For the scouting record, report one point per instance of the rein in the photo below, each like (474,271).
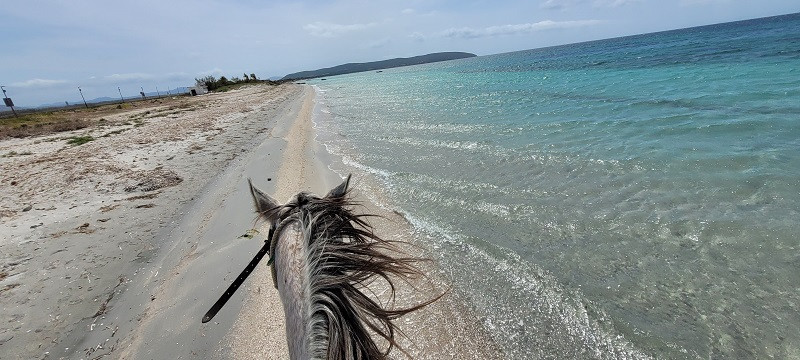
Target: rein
(242,276)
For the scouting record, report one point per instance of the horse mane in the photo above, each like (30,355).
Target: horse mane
(344,256)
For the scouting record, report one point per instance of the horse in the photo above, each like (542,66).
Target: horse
(323,256)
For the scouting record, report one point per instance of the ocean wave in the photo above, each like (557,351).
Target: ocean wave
(435,143)
(368,169)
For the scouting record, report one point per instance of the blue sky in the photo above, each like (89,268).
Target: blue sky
(49,48)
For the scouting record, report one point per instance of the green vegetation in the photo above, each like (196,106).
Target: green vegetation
(249,234)
(33,122)
(230,87)
(79,140)
(30,119)
(40,123)
(224,84)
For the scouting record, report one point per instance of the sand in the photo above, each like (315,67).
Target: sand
(116,248)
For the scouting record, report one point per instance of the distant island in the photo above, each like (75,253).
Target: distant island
(378,65)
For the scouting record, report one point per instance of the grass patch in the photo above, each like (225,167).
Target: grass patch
(51,121)
(79,140)
(39,123)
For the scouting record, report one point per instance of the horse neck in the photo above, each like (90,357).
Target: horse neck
(292,283)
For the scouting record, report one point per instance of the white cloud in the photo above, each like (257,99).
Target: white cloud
(38,83)
(614,3)
(559,4)
(564,4)
(128,77)
(323,29)
(407,11)
(513,29)
(702,2)
(214,71)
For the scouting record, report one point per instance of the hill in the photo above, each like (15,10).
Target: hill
(378,65)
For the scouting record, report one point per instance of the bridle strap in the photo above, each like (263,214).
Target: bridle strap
(240,279)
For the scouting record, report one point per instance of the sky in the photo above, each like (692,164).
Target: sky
(50,48)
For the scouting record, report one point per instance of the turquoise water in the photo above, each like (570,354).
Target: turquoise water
(626,197)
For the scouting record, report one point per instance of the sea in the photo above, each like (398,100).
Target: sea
(625,198)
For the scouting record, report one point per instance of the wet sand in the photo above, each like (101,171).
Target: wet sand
(130,238)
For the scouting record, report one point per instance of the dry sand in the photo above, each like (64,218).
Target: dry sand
(112,223)
(117,247)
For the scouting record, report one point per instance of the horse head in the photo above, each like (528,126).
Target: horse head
(322,257)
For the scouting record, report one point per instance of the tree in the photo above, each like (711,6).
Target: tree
(246,78)
(253,77)
(210,79)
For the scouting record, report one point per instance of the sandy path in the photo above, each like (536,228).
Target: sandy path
(259,332)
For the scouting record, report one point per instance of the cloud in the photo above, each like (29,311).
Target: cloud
(407,11)
(38,83)
(702,2)
(563,4)
(559,4)
(513,29)
(128,77)
(214,71)
(323,29)
(614,3)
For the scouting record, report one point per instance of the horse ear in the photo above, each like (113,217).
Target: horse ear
(340,190)
(263,202)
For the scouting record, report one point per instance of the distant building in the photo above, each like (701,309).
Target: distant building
(198,89)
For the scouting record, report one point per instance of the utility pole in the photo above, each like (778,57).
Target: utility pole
(84,99)
(8,101)
(120,95)
(142,93)
(157,93)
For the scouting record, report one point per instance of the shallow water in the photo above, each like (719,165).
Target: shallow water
(629,196)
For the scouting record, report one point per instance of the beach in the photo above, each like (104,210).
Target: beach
(117,247)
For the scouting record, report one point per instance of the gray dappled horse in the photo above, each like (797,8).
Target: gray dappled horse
(323,256)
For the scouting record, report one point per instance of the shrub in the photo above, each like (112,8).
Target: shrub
(79,140)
